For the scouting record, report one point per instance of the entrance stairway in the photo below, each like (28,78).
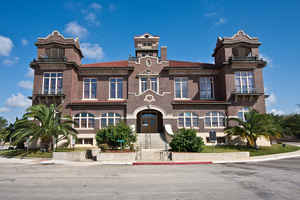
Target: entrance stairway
(152,147)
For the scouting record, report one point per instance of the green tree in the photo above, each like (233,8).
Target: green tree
(112,135)
(255,125)
(45,123)
(186,140)
(291,125)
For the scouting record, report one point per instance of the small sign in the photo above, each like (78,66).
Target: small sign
(121,141)
(212,136)
(73,141)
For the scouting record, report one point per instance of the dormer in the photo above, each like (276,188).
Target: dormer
(239,47)
(56,48)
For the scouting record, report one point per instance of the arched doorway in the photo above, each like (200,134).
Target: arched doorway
(149,121)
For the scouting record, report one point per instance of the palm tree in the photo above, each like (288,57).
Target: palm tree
(45,123)
(255,125)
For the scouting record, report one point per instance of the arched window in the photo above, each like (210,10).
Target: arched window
(242,112)
(214,120)
(110,119)
(188,120)
(84,120)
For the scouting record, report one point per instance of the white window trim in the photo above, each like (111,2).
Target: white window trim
(243,110)
(211,116)
(192,120)
(107,117)
(181,91)
(56,80)
(110,98)
(87,122)
(149,86)
(90,91)
(212,78)
(240,77)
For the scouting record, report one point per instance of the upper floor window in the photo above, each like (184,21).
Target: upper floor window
(90,88)
(52,83)
(110,119)
(55,52)
(242,112)
(116,88)
(181,88)
(244,81)
(214,120)
(206,87)
(84,120)
(188,120)
(145,86)
(241,52)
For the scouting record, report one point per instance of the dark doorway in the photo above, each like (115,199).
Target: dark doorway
(149,121)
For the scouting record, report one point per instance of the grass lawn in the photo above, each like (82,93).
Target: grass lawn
(19,153)
(275,148)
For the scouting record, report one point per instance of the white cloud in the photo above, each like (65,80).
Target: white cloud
(24,42)
(30,73)
(271,100)
(4,109)
(92,51)
(277,112)
(210,14)
(11,61)
(92,19)
(221,21)
(96,6)
(6,46)
(73,28)
(18,100)
(26,85)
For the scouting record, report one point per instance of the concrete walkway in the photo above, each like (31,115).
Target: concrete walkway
(89,163)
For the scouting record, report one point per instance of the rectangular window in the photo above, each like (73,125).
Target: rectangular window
(90,88)
(244,82)
(206,87)
(153,84)
(143,84)
(181,88)
(116,88)
(52,83)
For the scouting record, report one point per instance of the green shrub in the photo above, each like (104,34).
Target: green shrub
(112,134)
(186,140)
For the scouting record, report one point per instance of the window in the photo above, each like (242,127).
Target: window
(206,87)
(84,141)
(55,52)
(84,120)
(244,82)
(181,88)
(152,86)
(90,88)
(116,86)
(188,120)
(53,83)
(242,112)
(214,120)
(110,119)
(143,84)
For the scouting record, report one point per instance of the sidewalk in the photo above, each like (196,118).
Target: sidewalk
(294,154)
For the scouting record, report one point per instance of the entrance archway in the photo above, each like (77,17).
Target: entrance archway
(149,121)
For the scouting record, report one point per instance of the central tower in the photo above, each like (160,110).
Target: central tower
(146,45)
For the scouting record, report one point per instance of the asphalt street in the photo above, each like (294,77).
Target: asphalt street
(264,180)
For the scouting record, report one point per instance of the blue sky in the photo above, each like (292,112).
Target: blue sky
(189,29)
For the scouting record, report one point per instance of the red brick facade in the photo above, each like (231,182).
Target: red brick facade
(235,54)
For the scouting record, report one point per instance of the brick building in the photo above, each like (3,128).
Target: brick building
(153,94)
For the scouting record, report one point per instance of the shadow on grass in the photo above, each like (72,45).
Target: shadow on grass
(20,153)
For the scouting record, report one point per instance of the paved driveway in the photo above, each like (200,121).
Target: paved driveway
(265,180)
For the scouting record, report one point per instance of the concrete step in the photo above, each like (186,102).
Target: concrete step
(151,141)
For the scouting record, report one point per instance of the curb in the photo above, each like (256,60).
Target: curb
(173,163)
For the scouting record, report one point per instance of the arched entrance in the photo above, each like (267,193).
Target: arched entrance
(149,121)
